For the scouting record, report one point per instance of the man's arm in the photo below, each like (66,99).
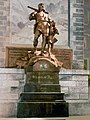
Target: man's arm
(32,16)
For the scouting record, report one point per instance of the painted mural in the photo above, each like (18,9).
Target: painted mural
(22,28)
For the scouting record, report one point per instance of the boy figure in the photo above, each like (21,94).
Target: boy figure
(51,37)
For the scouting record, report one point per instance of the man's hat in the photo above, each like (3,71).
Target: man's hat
(40,4)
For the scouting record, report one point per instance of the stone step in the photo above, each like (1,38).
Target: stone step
(42,109)
(41,96)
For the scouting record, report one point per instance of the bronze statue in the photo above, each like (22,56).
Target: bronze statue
(47,28)
(41,26)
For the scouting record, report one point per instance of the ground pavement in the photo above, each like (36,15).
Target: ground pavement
(69,118)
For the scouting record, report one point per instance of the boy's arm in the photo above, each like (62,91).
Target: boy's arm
(56,31)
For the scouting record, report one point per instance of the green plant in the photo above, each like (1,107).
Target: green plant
(88,80)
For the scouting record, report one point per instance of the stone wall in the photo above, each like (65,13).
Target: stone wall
(87,33)
(74,83)
(77,32)
(4,29)
(10,86)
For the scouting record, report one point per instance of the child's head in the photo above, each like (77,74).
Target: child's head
(52,23)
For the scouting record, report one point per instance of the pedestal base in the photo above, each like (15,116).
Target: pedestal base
(42,109)
(42,96)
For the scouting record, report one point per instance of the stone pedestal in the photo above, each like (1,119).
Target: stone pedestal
(42,96)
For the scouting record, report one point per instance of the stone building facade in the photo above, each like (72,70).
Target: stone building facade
(87,34)
(77,32)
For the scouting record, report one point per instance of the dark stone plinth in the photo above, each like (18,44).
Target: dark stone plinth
(34,87)
(42,109)
(42,96)
(42,81)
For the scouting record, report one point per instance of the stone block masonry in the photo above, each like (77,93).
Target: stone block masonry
(10,86)
(4,29)
(74,83)
(77,32)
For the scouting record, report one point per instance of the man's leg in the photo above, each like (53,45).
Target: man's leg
(36,36)
(43,43)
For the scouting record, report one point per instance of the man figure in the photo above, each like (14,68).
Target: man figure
(41,26)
